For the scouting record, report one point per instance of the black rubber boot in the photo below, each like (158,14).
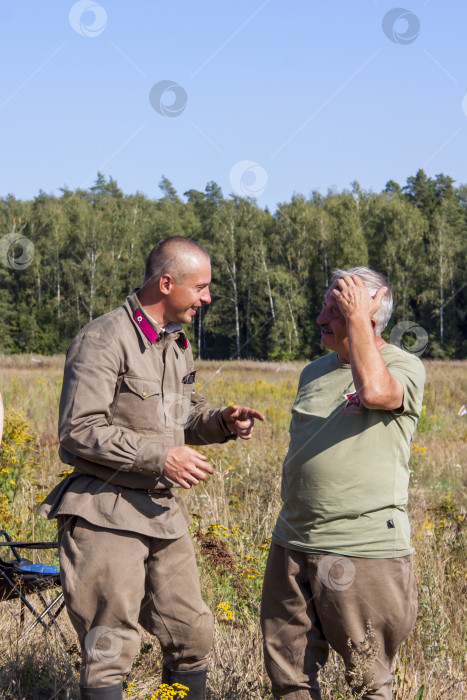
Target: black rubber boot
(108,692)
(194,680)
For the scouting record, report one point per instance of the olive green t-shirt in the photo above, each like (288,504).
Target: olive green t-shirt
(345,477)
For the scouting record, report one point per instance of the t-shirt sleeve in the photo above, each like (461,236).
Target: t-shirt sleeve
(301,379)
(409,370)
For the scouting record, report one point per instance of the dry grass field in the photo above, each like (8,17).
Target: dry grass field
(233,516)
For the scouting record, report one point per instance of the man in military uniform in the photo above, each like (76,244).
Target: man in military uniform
(128,406)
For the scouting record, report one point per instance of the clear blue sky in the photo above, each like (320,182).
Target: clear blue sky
(313,92)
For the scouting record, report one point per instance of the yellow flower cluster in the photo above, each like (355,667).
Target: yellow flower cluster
(428,525)
(170,692)
(218,530)
(443,516)
(448,501)
(224,612)
(5,513)
(277,415)
(418,450)
(16,429)
(18,462)
(222,530)
(249,572)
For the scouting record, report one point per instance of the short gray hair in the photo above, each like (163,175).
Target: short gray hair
(373,281)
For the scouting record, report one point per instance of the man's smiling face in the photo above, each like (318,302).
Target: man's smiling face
(333,327)
(187,296)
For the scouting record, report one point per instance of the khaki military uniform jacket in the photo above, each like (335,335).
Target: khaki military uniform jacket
(128,395)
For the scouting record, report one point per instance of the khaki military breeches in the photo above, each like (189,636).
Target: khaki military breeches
(112,580)
(313,601)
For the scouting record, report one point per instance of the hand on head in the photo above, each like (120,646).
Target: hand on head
(353,298)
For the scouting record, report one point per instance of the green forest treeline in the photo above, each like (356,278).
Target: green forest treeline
(270,270)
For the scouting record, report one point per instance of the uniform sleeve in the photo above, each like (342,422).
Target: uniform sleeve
(409,370)
(205,424)
(85,429)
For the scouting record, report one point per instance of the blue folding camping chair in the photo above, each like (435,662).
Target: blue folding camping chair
(20,578)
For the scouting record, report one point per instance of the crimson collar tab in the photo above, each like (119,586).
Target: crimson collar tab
(145,326)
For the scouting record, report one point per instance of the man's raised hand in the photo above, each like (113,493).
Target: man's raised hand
(352,297)
(186,467)
(240,420)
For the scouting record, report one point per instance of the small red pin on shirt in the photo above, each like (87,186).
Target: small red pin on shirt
(353,400)
(150,333)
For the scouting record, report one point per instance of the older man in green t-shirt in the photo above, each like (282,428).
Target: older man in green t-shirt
(339,571)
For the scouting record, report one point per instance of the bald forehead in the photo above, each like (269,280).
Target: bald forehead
(176,256)
(187,261)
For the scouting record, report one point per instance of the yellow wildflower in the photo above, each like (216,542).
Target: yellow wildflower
(65,472)
(170,692)
(224,612)
(427,525)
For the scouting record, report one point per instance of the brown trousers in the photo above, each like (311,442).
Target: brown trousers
(311,601)
(112,580)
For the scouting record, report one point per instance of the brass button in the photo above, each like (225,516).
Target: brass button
(144,394)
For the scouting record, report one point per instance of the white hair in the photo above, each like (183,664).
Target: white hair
(373,281)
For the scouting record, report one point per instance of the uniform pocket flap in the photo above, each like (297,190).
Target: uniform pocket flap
(143,387)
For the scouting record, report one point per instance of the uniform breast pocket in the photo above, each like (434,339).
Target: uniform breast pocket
(176,407)
(138,404)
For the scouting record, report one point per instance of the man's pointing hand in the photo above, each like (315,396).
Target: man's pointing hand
(240,420)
